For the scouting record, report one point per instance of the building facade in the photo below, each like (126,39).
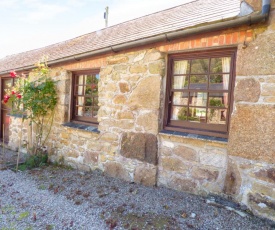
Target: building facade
(193,110)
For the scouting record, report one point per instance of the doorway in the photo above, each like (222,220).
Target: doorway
(5,118)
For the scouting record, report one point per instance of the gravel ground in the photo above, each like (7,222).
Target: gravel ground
(59,198)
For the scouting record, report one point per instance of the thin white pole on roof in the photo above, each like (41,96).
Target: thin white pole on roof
(106,14)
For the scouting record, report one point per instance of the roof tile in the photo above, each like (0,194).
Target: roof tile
(173,19)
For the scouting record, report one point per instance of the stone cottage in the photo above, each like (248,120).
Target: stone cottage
(182,98)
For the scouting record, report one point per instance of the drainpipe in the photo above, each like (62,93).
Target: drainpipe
(235,22)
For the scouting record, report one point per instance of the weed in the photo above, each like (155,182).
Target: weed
(23,215)
(42,187)
(34,161)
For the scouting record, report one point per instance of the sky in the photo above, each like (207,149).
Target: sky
(31,24)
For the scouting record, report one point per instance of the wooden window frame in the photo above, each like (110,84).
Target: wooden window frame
(216,130)
(75,118)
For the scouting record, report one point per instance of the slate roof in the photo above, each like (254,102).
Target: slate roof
(173,19)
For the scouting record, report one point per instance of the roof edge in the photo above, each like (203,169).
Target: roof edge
(170,36)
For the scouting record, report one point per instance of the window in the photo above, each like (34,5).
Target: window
(199,92)
(85,96)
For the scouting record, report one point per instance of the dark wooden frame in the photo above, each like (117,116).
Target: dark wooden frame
(217,130)
(74,117)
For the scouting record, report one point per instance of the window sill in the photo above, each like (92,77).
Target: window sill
(88,128)
(194,136)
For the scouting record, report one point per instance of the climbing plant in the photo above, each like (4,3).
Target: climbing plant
(34,98)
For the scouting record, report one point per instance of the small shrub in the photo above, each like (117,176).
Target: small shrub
(34,161)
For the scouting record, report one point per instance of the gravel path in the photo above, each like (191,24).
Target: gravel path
(59,198)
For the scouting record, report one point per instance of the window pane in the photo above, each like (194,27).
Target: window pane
(180,98)
(197,114)
(79,90)
(216,116)
(200,66)
(219,82)
(220,65)
(198,99)
(79,111)
(80,80)
(88,112)
(180,82)
(198,82)
(89,79)
(218,99)
(96,79)
(181,67)
(79,100)
(216,65)
(88,90)
(88,101)
(179,113)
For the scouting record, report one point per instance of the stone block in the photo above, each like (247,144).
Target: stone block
(168,144)
(269,99)
(124,87)
(147,94)
(119,99)
(262,205)
(87,135)
(252,131)
(125,115)
(268,89)
(184,140)
(233,179)
(202,174)
(110,137)
(186,153)
(116,76)
(182,184)
(105,157)
(213,157)
(72,153)
(140,146)
(267,175)
(145,175)
(164,151)
(94,145)
(270,79)
(156,68)
(137,68)
(247,90)
(153,55)
(174,164)
(265,190)
(105,71)
(139,56)
(115,169)
(121,68)
(112,87)
(117,59)
(149,122)
(90,157)
(131,78)
(122,124)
